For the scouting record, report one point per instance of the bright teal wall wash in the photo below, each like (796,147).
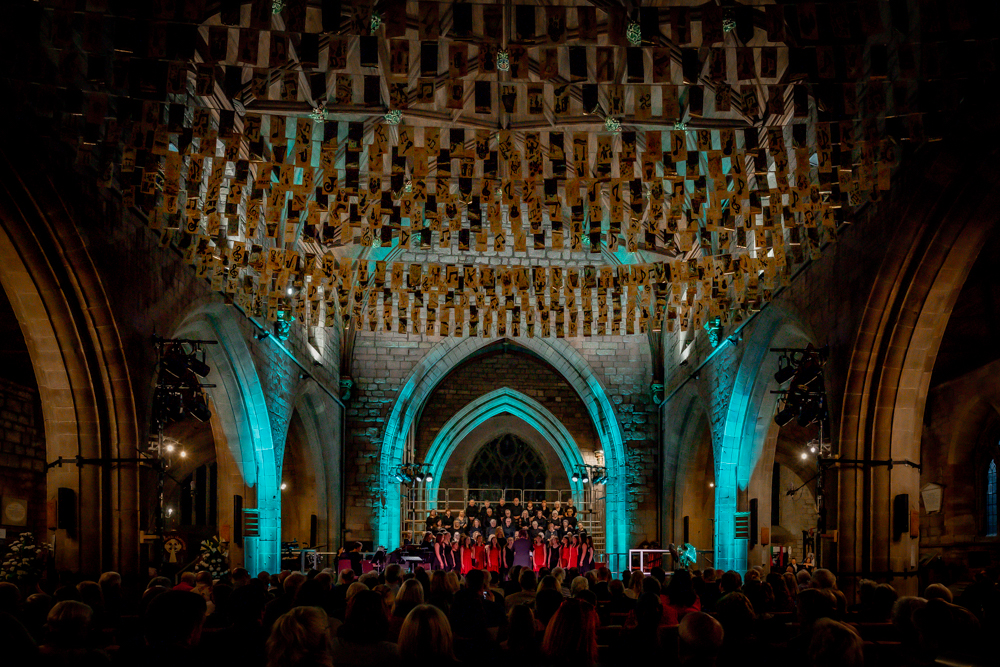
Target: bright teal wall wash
(504,401)
(437,363)
(748,418)
(238,403)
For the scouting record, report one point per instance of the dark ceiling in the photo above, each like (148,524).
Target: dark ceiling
(15,364)
(970,340)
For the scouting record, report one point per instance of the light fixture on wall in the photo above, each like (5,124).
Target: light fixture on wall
(408,473)
(284,485)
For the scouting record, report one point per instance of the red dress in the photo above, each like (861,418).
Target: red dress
(539,557)
(466,560)
(494,564)
(479,558)
(571,554)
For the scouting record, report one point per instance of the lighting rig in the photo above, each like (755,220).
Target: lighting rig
(586,473)
(409,473)
(805,398)
(179,393)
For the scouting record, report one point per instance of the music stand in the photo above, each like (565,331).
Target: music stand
(412,560)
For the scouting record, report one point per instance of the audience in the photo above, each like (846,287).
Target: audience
(549,619)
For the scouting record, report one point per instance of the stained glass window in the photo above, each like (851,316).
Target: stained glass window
(507,463)
(991,499)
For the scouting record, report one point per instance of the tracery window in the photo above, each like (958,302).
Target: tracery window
(507,463)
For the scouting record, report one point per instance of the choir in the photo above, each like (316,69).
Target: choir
(496,537)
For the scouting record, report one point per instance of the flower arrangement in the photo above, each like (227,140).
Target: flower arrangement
(214,557)
(25,560)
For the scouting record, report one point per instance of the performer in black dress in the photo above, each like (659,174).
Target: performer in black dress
(552,553)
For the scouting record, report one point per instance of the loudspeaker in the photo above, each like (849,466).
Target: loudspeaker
(313,529)
(66,511)
(238,520)
(900,515)
(687,526)
(753,521)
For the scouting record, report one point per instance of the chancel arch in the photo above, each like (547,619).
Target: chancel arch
(450,353)
(505,401)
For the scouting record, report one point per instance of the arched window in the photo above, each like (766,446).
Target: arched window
(991,499)
(507,463)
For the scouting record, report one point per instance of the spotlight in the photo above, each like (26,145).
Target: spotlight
(176,365)
(419,478)
(711,485)
(169,448)
(810,412)
(576,477)
(812,449)
(399,478)
(199,367)
(290,291)
(785,372)
(586,478)
(804,456)
(199,409)
(170,511)
(429,478)
(785,415)
(284,486)
(183,454)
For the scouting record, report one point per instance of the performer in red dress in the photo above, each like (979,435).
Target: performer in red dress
(572,553)
(479,553)
(493,555)
(538,554)
(465,546)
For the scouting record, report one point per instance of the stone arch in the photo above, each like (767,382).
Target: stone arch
(748,421)
(448,354)
(943,223)
(322,421)
(504,401)
(238,400)
(75,348)
(685,422)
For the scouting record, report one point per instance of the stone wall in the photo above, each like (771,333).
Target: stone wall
(22,457)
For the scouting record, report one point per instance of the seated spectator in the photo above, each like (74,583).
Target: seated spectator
(186,583)
(731,582)
(361,640)
(700,639)
(527,593)
(938,592)
(411,595)
(547,602)
(300,638)
(640,644)
(522,643)
(619,603)
(425,639)
(69,642)
(835,644)
(571,636)
(173,624)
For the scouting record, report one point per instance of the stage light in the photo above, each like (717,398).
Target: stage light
(169,448)
(809,413)
(576,477)
(170,511)
(586,478)
(786,372)
(711,485)
(813,449)
(290,291)
(183,454)
(284,486)
(429,478)
(199,367)
(804,456)
(785,415)
(176,365)
(399,478)
(199,409)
